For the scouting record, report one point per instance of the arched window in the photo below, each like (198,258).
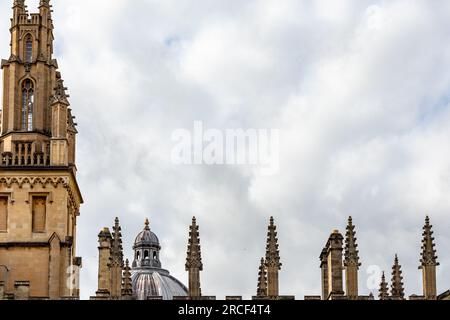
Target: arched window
(146,254)
(28,49)
(27,105)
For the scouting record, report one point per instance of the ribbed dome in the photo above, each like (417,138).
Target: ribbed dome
(146,237)
(156,283)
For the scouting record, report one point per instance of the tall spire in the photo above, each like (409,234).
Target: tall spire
(116,247)
(428,262)
(194,260)
(272,264)
(397,290)
(351,261)
(262,280)
(351,248)
(384,290)
(428,255)
(127,286)
(116,261)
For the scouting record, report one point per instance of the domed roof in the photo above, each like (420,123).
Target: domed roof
(146,237)
(156,283)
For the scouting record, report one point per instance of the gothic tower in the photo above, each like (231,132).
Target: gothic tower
(39,194)
(194,261)
(351,261)
(428,262)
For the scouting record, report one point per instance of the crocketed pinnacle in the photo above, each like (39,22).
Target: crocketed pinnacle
(262,280)
(272,252)
(384,290)
(351,247)
(194,257)
(116,245)
(397,290)
(428,254)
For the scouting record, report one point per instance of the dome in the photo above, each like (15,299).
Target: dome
(156,283)
(148,277)
(146,237)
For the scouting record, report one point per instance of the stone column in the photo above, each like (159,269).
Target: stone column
(324,273)
(104,275)
(335,268)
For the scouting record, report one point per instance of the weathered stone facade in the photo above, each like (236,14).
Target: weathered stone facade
(332,267)
(39,195)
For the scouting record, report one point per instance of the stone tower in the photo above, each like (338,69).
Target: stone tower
(104,256)
(273,265)
(39,195)
(428,262)
(332,267)
(351,261)
(397,290)
(194,261)
(110,264)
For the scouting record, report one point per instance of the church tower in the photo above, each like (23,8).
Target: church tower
(39,195)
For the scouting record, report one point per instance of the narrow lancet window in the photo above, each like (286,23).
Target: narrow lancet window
(28,49)
(27,105)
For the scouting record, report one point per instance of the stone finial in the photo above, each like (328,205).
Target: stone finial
(44,3)
(272,252)
(116,245)
(262,280)
(127,287)
(351,247)
(428,254)
(397,289)
(60,95)
(147,224)
(19,3)
(194,257)
(272,262)
(194,260)
(384,290)
(104,235)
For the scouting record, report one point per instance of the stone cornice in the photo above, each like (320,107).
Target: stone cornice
(44,181)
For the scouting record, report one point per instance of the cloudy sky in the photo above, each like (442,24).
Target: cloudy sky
(359,90)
